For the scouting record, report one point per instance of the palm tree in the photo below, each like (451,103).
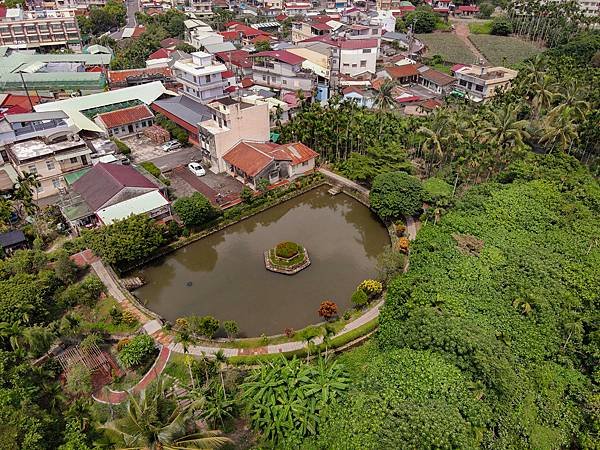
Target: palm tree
(185,338)
(12,332)
(544,93)
(571,97)
(504,129)
(25,187)
(328,333)
(560,131)
(152,422)
(385,101)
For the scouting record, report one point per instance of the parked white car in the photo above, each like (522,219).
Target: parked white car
(171,145)
(196,169)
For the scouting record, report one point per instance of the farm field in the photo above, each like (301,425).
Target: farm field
(504,50)
(449,46)
(481,27)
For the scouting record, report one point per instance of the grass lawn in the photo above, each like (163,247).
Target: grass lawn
(504,50)
(449,46)
(99,319)
(481,27)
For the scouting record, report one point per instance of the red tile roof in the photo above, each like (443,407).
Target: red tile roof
(239,58)
(437,77)
(456,67)
(125,116)
(320,26)
(227,74)
(17,104)
(161,53)
(406,70)
(170,42)
(247,82)
(260,39)
(280,55)
(351,89)
(121,76)
(412,98)
(138,31)
(230,35)
(355,44)
(281,17)
(468,8)
(431,104)
(245,30)
(252,158)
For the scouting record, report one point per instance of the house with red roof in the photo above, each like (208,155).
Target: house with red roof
(250,162)
(126,121)
(281,70)
(110,192)
(242,32)
(132,77)
(404,74)
(359,95)
(467,10)
(238,61)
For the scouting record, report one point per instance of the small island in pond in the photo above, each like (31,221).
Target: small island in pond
(287,257)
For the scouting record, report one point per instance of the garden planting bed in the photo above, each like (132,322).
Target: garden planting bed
(504,50)
(287,258)
(448,46)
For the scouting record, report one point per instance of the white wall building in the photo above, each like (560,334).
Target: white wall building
(200,77)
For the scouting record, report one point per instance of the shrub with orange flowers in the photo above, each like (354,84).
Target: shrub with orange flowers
(328,309)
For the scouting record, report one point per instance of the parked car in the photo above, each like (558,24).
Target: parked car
(171,145)
(196,169)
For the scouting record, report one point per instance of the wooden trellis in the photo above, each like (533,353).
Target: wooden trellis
(91,357)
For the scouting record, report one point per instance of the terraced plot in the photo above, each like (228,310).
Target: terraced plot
(504,50)
(449,46)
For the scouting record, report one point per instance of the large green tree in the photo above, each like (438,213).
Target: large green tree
(195,210)
(396,194)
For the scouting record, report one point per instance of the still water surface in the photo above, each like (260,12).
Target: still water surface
(228,276)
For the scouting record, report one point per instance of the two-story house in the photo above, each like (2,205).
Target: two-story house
(200,77)
(50,162)
(281,70)
(48,125)
(481,83)
(354,56)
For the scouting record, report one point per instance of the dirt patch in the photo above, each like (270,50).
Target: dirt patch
(468,244)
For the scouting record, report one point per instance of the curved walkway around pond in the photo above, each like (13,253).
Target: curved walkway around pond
(165,341)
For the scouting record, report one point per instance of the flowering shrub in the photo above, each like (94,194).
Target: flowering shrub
(402,245)
(122,343)
(286,249)
(328,309)
(129,318)
(181,323)
(371,287)
(400,229)
(289,332)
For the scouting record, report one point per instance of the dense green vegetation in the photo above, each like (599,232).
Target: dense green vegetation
(493,333)
(195,210)
(504,50)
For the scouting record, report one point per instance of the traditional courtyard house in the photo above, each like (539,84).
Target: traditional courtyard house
(404,74)
(467,10)
(251,162)
(110,192)
(126,121)
(133,77)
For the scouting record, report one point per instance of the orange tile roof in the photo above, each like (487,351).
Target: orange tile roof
(406,70)
(125,116)
(252,158)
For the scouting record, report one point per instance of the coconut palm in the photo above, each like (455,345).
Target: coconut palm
(503,128)
(25,188)
(185,338)
(560,131)
(545,91)
(385,97)
(571,100)
(154,422)
(11,333)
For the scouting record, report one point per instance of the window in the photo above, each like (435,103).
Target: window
(74,160)
(479,88)
(39,189)
(56,183)
(366,50)
(50,164)
(463,82)
(264,78)
(363,64)
(346,65)
(284,81)
(207,78)
(354,65)
(305,163)
(32,169)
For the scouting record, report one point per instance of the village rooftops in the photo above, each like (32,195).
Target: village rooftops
(489,74)
(437,77)
(281,55)
(125,116)
(37,148)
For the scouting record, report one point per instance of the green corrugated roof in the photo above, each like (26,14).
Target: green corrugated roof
(72,177)
(13,62)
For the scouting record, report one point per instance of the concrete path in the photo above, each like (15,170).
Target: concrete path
(116,397)
(345,181)
(462,31)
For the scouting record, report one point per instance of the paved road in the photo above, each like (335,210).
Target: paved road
(133,6)
(178,158)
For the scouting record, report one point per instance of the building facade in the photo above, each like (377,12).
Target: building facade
(481,83)
(354,56)
(200,77)
(281,70)
(231,122)
(125,122)
(34,29)
(50,162)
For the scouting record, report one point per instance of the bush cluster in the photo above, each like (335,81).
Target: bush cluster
(371,287)
(136,351)
(286,249)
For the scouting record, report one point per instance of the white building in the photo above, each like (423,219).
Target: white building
(200,77)
(355,56)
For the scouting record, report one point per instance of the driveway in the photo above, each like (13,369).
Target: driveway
(211,185)
(143,149)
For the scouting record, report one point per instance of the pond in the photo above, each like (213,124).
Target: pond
(224,275)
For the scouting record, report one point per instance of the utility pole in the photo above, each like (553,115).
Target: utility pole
(26,90)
